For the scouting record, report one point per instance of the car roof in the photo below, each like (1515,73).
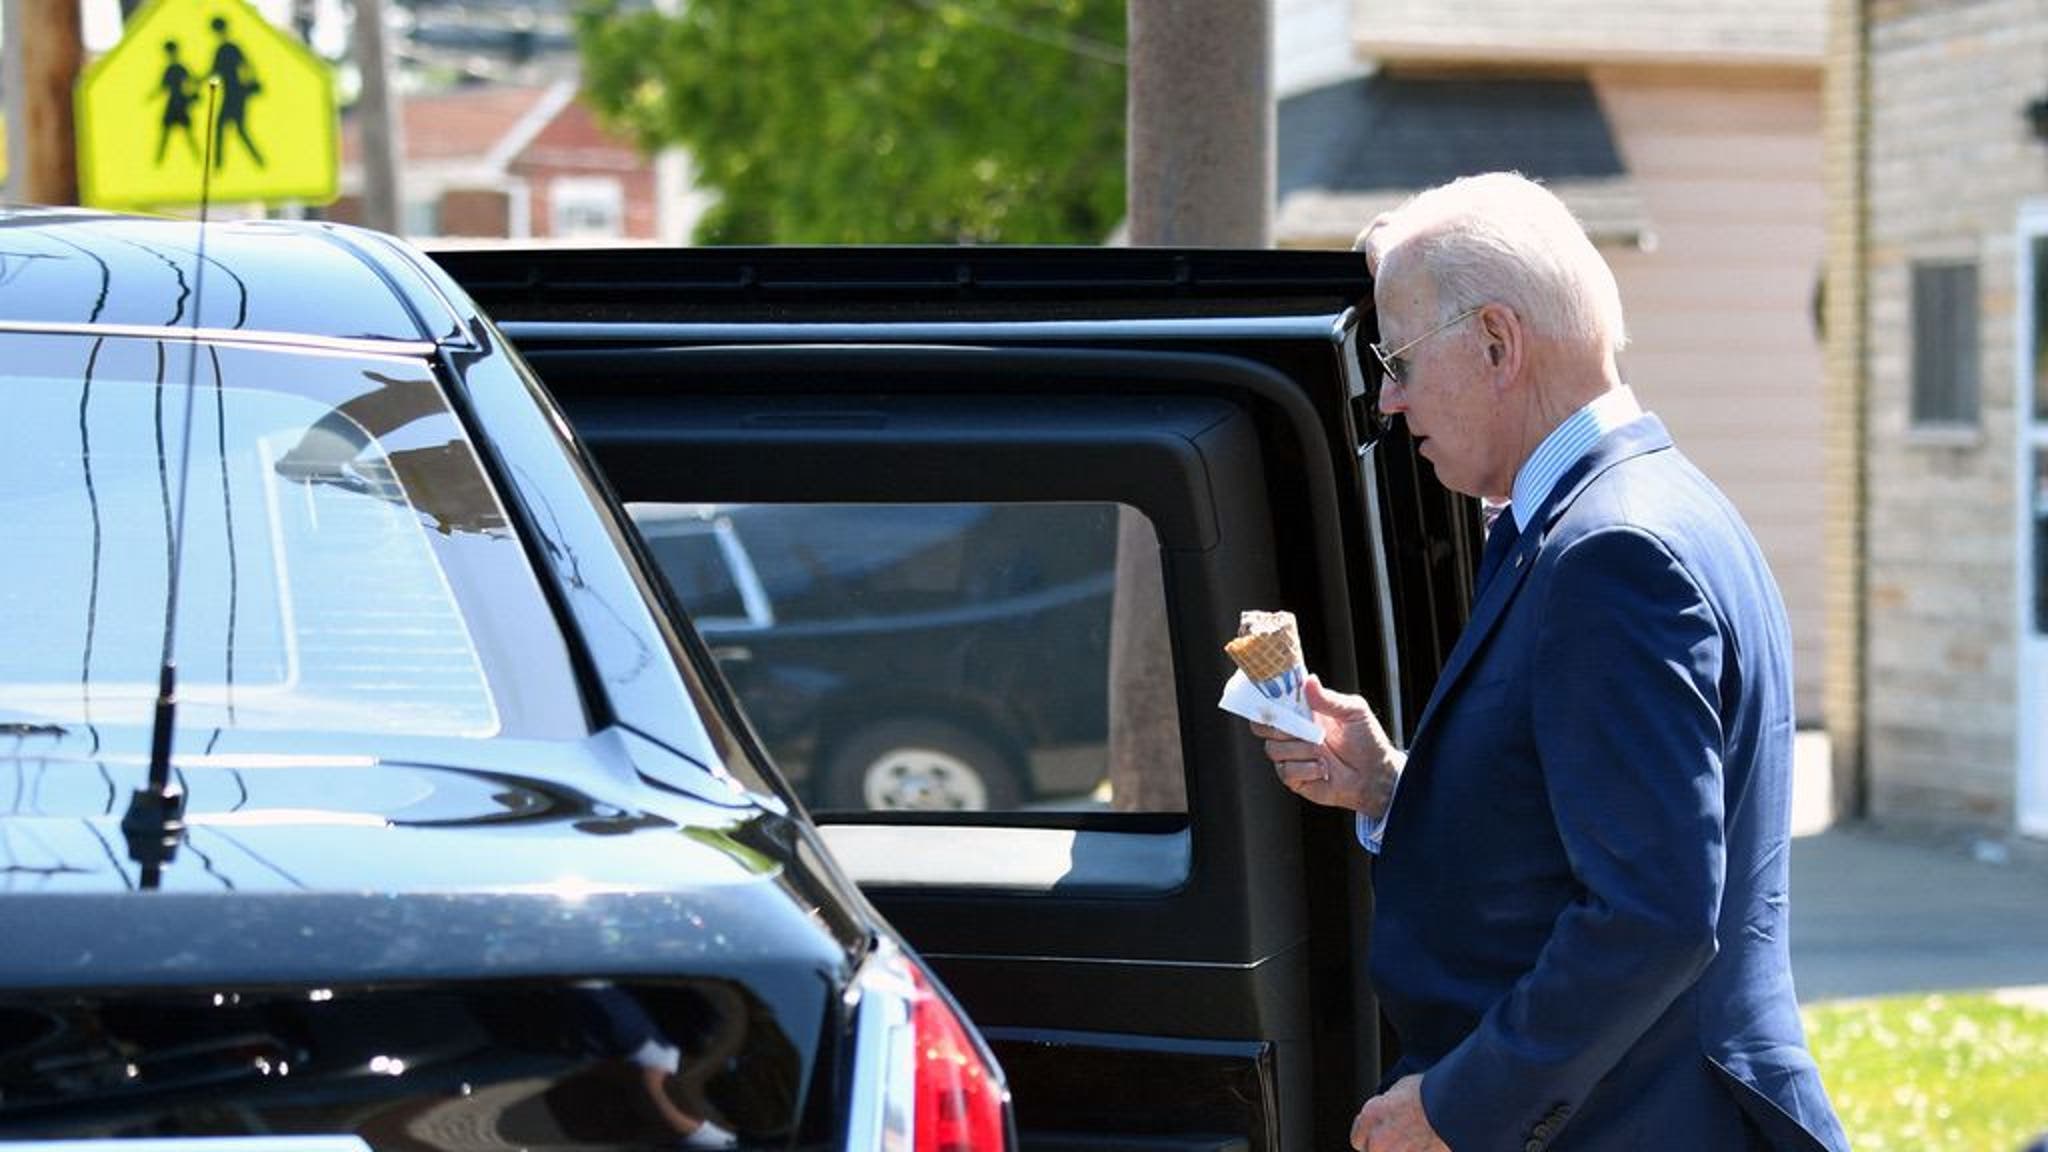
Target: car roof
(100,272)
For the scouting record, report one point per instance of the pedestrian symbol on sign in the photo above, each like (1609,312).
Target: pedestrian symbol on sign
(238,82)
(176,88)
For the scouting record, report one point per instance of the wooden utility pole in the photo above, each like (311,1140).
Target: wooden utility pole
(46,49)
(1201,171)
(377,115)
(1201,152)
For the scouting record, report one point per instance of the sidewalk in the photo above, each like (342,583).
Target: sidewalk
(1877,912)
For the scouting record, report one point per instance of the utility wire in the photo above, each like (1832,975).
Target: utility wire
(1050,37)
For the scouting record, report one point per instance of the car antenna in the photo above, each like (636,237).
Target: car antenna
(155,820)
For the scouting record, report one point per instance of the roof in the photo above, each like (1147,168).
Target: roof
(572,137)
(1496,32)
(69,268)
(464,124)
(1352,149)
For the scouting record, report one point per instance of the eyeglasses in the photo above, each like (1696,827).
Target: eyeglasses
(1390,362)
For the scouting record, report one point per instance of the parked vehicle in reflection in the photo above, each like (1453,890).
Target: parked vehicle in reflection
(908,656)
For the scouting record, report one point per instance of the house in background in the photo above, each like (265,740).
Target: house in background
(525,162)
(1939,180)
(1687,137)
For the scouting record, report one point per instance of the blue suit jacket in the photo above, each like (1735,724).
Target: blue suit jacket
(1579,925)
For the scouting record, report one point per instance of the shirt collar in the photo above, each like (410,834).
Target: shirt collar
(1566,445)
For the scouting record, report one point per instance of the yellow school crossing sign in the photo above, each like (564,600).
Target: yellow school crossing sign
(199,84)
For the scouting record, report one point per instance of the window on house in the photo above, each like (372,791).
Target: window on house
(1945,355)
(2040,350)
(2039,516)
(590,207)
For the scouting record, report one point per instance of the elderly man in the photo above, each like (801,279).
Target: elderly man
(1580,898)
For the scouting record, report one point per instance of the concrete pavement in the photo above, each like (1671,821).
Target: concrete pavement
(1881,912)
(1878,913)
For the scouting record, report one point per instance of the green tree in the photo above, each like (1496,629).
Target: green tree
(876,121)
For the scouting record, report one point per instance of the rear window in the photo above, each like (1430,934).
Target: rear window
(346,565)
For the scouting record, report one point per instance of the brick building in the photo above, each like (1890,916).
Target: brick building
(526,162)
(1939,182)
(1687,136)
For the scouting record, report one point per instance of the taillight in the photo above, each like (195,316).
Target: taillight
(959,1099)
(920,1084)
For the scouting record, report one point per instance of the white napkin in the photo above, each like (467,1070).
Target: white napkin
(1287,711)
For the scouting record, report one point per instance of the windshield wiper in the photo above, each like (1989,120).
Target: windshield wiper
(19,728)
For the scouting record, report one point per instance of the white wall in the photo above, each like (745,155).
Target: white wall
(1311,45)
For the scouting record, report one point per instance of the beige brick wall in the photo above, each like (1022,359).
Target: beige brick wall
(1577,31)
(1950,162)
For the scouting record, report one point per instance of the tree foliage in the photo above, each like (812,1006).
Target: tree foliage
(876,121)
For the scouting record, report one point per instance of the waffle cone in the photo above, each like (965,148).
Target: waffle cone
(1265,655)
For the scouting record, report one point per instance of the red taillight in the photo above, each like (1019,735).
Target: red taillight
(959,1099)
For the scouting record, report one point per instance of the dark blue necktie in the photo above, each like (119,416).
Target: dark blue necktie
(1500,540)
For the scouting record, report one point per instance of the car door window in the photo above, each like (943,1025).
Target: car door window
(925,657)
(705,566)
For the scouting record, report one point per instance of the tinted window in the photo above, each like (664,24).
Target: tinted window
(346,566)
(697,568)
(821,562)
(924,656)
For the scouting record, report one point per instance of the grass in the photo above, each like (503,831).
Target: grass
(1936,1073)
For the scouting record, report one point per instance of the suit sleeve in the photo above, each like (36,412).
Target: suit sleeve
(1627,669)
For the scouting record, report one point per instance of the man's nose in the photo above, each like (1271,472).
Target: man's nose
(1393,397)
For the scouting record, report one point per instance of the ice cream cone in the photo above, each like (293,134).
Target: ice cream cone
(1267,646)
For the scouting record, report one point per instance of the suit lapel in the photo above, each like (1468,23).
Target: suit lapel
(1644,434)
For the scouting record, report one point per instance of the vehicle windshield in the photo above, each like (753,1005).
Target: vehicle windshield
(346,565)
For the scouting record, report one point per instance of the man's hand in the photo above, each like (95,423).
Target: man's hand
(1394,1121)
(1354,767)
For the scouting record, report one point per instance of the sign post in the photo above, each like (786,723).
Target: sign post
(144,111)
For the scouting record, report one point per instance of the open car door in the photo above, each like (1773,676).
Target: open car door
(839,452)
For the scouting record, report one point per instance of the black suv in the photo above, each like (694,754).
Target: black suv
(478,850)
(908,656)
(1177,965)
(366,792)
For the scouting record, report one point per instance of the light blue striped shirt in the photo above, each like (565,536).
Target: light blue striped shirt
(1566,445)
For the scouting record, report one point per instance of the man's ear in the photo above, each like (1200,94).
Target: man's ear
(1506,341)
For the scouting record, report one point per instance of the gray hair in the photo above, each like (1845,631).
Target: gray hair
(1501,237)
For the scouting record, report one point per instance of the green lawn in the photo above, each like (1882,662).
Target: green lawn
(1942,1073)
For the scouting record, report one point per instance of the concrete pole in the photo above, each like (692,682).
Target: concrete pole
(45,50)
(383,141)
(1201,152)
(1200,164)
